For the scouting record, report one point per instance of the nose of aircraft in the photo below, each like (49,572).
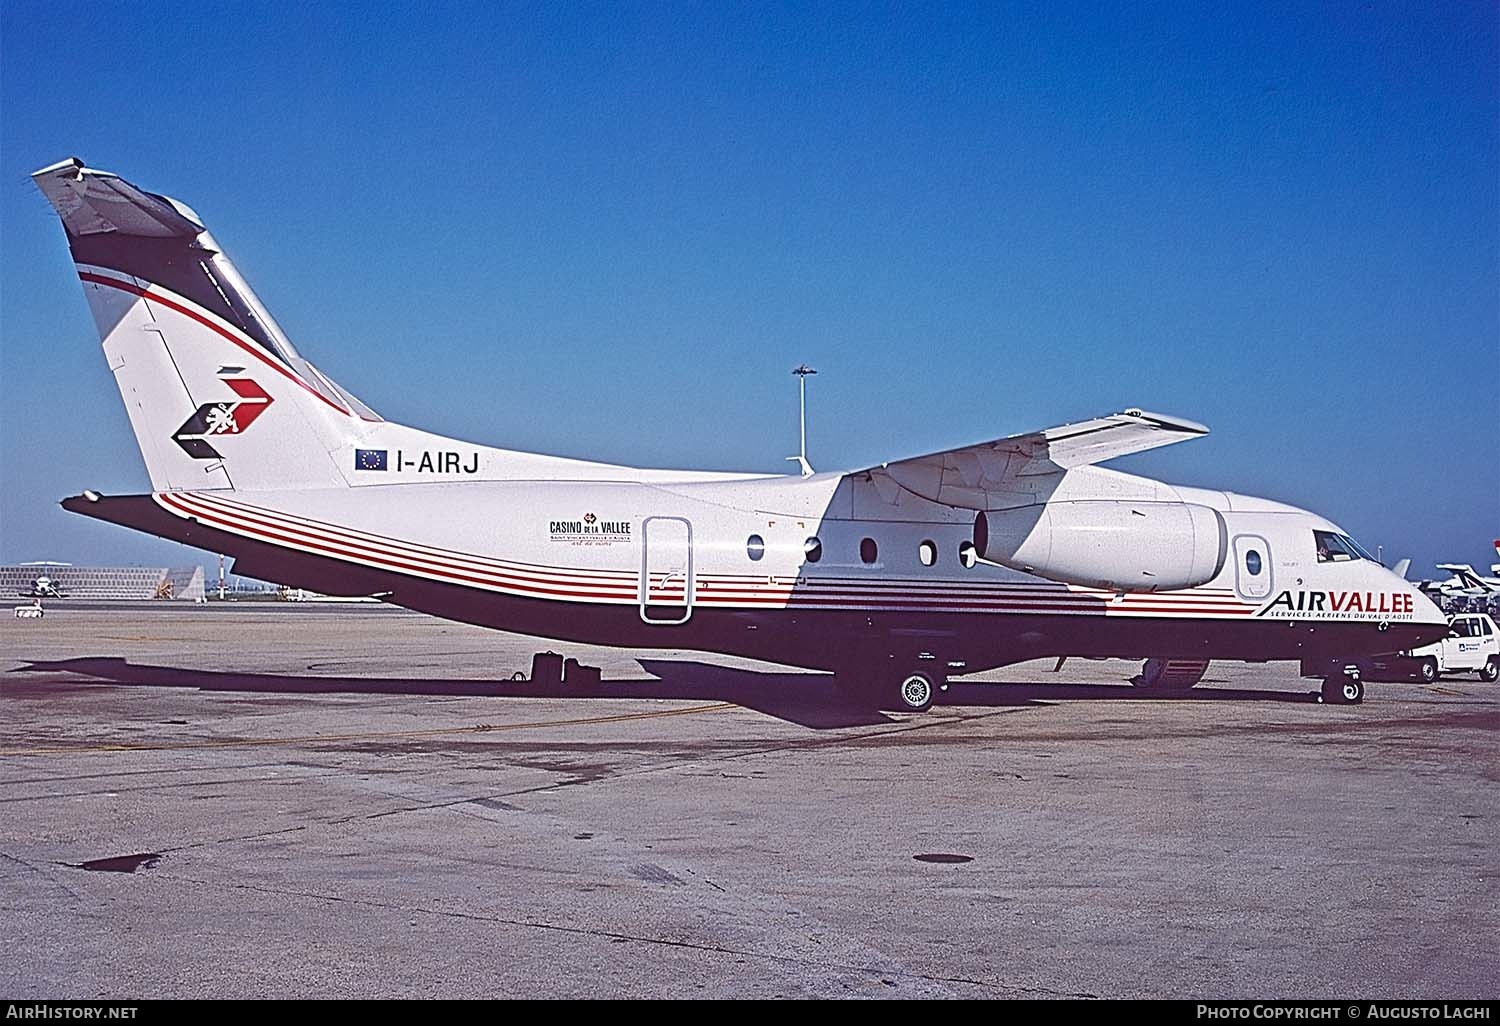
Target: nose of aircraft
(1425,613)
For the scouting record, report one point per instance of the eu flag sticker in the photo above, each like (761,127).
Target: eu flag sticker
(369,459)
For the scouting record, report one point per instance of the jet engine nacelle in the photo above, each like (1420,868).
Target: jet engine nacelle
(1103,543)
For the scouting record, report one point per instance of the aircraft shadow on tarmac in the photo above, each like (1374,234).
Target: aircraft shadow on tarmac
(809,700)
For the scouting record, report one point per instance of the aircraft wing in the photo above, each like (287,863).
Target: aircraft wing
(981,476)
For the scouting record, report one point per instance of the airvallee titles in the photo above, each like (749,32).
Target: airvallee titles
(893,576)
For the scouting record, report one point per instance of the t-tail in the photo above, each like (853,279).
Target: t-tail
(217,395)
(1467,577)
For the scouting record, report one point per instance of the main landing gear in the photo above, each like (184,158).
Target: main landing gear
(916,692)
(917,687)
(890,687)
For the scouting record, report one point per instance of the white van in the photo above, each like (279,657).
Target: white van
(1472,645)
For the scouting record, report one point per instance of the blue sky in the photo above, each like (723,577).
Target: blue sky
(610,231)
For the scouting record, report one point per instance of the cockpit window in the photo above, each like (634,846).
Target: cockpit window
(1338,548)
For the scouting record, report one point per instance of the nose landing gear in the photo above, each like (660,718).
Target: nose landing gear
(1343,688)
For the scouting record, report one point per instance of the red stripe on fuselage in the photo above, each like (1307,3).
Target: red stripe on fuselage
(264,525)
(261,530)
(804,594)
(732,587)
(353,537)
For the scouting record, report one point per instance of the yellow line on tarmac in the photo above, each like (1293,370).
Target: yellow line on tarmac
(478,728)
(141,637)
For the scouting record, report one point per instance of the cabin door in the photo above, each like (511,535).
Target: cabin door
(1252,567)
(666,583)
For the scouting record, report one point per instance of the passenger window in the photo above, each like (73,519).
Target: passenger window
(927,553)
(1485,626)
(755,547)
(812,549)
(1252,563)
(868,551)
(967,555)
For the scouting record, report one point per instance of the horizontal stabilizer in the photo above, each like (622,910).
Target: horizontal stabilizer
(92,202)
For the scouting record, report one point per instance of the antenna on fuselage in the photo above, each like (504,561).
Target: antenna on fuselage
(802,371)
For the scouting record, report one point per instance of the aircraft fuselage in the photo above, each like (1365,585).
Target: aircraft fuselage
(820,572)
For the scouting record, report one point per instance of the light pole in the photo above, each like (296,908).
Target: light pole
(802,371)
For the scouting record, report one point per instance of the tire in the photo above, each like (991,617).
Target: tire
(915,692)
(1491,670)
(1427,670)
(1343,690)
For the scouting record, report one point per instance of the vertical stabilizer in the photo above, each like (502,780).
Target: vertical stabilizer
(217,395)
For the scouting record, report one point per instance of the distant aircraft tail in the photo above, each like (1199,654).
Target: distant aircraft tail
(1401,567)
(217,395)
(1467,576)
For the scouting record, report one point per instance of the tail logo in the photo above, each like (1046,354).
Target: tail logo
(225,418)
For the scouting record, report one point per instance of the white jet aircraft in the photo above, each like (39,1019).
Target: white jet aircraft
(1465,584)
(1466,581)
(893,576)
(43,587)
